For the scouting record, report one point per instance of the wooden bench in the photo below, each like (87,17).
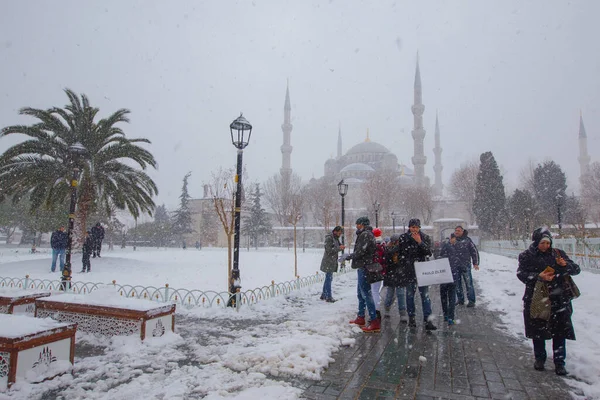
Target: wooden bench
(110,314)
(34,349)
(19,301)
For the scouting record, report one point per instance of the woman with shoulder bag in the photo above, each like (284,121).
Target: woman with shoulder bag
(547,270)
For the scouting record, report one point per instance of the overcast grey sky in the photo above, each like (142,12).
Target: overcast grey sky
(505,76)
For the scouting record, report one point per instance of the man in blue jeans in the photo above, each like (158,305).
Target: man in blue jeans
(415,246)
(465,252)
(364,253)
(329,263)
(58,241)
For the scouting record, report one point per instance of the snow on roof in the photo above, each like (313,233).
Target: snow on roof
(357,167)
(15,326)
(14,293)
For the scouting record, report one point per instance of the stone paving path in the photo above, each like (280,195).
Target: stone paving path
(472,360)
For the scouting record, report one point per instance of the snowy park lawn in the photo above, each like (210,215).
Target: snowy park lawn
(260,351)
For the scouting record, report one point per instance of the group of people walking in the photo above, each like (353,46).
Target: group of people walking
(91,247)
(542,268)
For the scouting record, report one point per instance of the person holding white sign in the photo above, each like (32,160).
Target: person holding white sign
(415,246)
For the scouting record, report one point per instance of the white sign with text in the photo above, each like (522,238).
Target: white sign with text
(434,272)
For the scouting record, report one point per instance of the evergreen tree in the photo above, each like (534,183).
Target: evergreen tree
(488,206)
(182,218)
(257,223)
(550,185)
(162,222)
(522,214)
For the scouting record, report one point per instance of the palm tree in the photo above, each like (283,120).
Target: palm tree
(40,167)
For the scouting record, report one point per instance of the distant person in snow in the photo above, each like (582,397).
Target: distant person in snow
(97,238)
(58,242)
(87,248)
(465,252)
(329,263)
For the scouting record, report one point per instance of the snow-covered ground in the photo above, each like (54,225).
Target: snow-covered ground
(258,351)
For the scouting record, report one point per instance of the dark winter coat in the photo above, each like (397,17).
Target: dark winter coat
(531,262)
(449,251)
(329,263)
(466,251)
(59,240)
(364,248)
(88,246)
(98,233)
(402,273)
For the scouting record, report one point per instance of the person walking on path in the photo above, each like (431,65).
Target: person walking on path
(466,251)
(87,248)
(364,252)
(97,238)
(58,242)
(415,246)
(380,258)
(395,279)
(448,290)
(329,263)
(541,263)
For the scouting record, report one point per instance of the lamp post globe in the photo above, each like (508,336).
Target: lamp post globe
(76,152)
(241,130)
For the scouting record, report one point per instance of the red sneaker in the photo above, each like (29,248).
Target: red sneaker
(373,327)
(360,321)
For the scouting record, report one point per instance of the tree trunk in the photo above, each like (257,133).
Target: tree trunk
(295,254)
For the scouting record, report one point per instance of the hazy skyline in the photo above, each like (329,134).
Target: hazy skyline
(511,77)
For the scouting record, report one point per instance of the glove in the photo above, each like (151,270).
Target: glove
(345,257)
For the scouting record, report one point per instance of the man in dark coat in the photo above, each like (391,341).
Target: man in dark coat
(448,290)
(415,246)
(58,242)
(97,237)
(87,248)
(329,263)
(466,251)
(533,268)
(395,279)
(364,252)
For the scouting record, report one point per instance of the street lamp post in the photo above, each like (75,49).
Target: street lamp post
(343,191)
(239,128)
(76,152)
(404,225)
(376,206)
(393,222)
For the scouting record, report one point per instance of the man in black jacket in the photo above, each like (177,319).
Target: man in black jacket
(58,241)
(97,237)
(465,252)
(415,246)
(364,253)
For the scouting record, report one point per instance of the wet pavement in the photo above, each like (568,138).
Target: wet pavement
(475,359)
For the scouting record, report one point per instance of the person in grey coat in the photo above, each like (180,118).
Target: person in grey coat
(329,263)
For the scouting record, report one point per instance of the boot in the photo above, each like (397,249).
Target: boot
(373,327)
(403,316)
(560,370)
(430,326)
(538,365)
(323,297)
(360,321)
(412,322)
(471,305)
(330,300)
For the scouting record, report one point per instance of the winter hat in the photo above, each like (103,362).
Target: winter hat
(377,232)
(337,229)
(363,221)
(541,234)
(414,222)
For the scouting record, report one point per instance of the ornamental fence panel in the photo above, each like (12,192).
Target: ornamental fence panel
(584,251)
(165,294)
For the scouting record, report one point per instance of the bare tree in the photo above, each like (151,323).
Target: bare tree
(294,215)
(418,202)
(590,190)
(463,183)
(222,190)
(526,181)
(382,187)
(279,191)
(323,201)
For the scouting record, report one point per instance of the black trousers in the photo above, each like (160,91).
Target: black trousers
(87,265)
(97,247)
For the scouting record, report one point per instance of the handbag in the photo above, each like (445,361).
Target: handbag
(540,302)
(570,289)
(374,272)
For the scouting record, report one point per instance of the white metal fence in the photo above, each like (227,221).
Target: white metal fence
(585,252)
(165,294)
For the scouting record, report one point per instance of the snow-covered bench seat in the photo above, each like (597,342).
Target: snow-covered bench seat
(34,349)
(19,301)
(107,313)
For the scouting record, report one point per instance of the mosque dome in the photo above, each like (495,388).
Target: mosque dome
(357,167)
(368,147)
